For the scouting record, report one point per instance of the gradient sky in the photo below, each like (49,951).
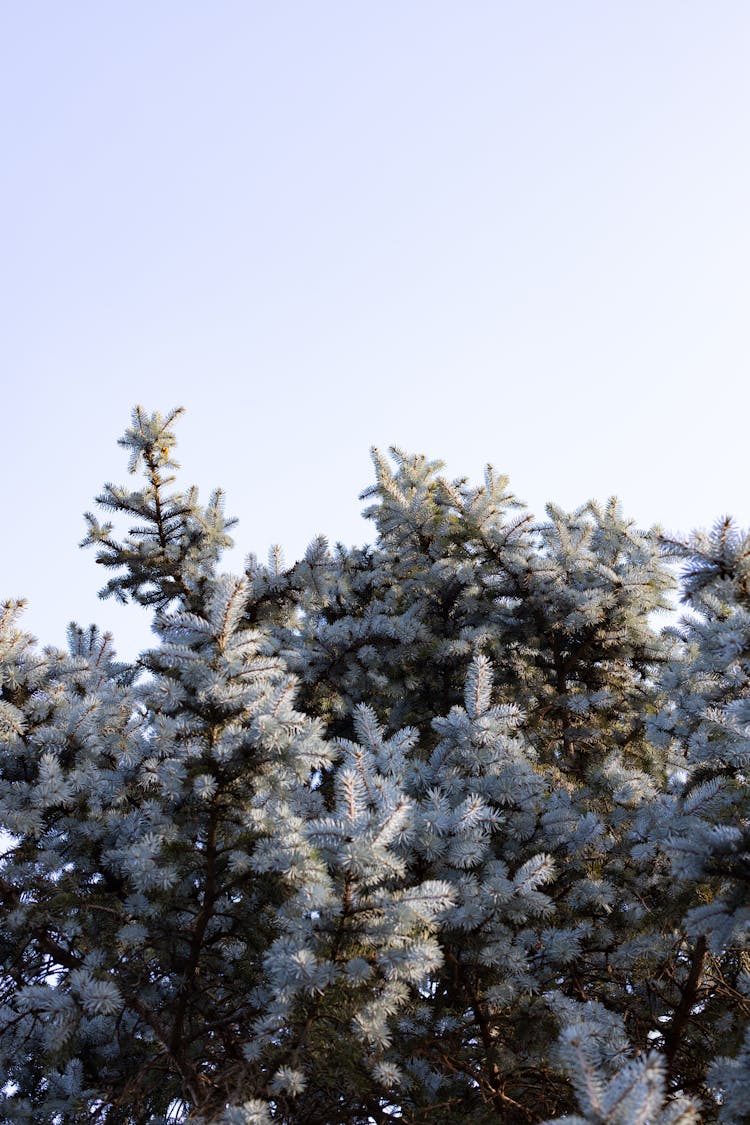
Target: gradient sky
(506,232)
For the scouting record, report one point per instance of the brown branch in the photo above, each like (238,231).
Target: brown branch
(689,993)
(47,943)
(200,925)
(495,1080)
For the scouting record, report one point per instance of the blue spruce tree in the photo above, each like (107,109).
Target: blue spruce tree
(436,830)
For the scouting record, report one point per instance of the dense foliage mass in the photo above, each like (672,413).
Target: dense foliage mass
(443,829)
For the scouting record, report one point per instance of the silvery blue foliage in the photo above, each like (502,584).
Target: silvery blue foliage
(728,1078)
(635,1094)
(434,830)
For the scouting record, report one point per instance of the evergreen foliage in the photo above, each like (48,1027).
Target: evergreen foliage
(437,830)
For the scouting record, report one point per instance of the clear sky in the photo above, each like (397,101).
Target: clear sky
(486,231)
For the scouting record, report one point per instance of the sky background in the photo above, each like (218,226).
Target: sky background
(504,232)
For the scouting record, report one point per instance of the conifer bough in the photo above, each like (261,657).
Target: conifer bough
(442,829)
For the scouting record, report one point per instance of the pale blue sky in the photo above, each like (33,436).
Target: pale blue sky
(507,232)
